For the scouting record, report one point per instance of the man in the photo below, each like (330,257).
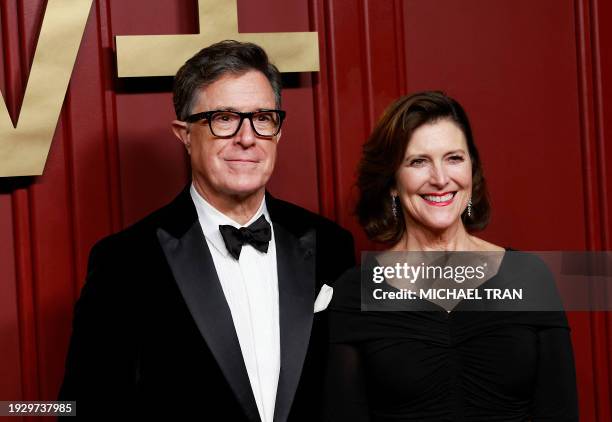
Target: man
(207,305)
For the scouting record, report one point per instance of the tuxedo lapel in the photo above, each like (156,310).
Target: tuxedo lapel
(295,257)
(193,268)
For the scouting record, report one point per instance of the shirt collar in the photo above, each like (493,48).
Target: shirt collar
(211,218)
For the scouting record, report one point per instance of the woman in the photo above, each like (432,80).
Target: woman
(422,189)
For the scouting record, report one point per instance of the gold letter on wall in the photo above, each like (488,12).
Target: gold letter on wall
(24,148)
(162,55)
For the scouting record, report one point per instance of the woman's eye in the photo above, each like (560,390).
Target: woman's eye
(456,158)
(417,162)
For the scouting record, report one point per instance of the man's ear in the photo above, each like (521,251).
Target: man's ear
(278,136)
(181,131)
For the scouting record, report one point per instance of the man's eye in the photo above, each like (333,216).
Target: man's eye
(223,117)
(264,117)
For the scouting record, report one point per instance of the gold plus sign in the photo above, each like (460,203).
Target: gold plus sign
(162,55)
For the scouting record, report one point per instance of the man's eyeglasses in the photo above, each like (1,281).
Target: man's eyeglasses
(225,124)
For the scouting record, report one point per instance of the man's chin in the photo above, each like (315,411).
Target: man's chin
(245,191)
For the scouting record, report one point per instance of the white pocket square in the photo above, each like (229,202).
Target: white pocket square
(323,299)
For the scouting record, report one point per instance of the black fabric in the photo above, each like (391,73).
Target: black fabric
(257,235)
(139,350)
(431,365)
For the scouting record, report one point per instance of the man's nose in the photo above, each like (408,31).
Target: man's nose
(246,136)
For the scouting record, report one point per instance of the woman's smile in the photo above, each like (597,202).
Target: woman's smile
(439,199)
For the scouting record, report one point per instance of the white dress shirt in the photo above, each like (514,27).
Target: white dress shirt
(250,286)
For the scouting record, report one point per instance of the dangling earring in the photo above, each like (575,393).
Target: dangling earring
(394,209)
(469,208)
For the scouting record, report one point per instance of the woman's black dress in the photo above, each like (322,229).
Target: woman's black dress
(467,365)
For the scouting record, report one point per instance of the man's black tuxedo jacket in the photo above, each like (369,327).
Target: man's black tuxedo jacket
(153,334)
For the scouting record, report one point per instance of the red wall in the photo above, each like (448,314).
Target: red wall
(535,77)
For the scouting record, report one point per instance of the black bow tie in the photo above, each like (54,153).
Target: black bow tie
(257,235)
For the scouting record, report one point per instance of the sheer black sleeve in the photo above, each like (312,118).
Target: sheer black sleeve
(345,385)
(345,388)
(555,397)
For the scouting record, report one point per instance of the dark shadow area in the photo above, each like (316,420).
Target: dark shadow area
(164,83)
(291,79)
(143,85)
(11,184)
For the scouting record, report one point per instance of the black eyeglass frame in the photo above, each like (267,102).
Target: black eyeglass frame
(248,115)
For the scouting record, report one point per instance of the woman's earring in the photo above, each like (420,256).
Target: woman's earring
(394,206)
(469,208)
